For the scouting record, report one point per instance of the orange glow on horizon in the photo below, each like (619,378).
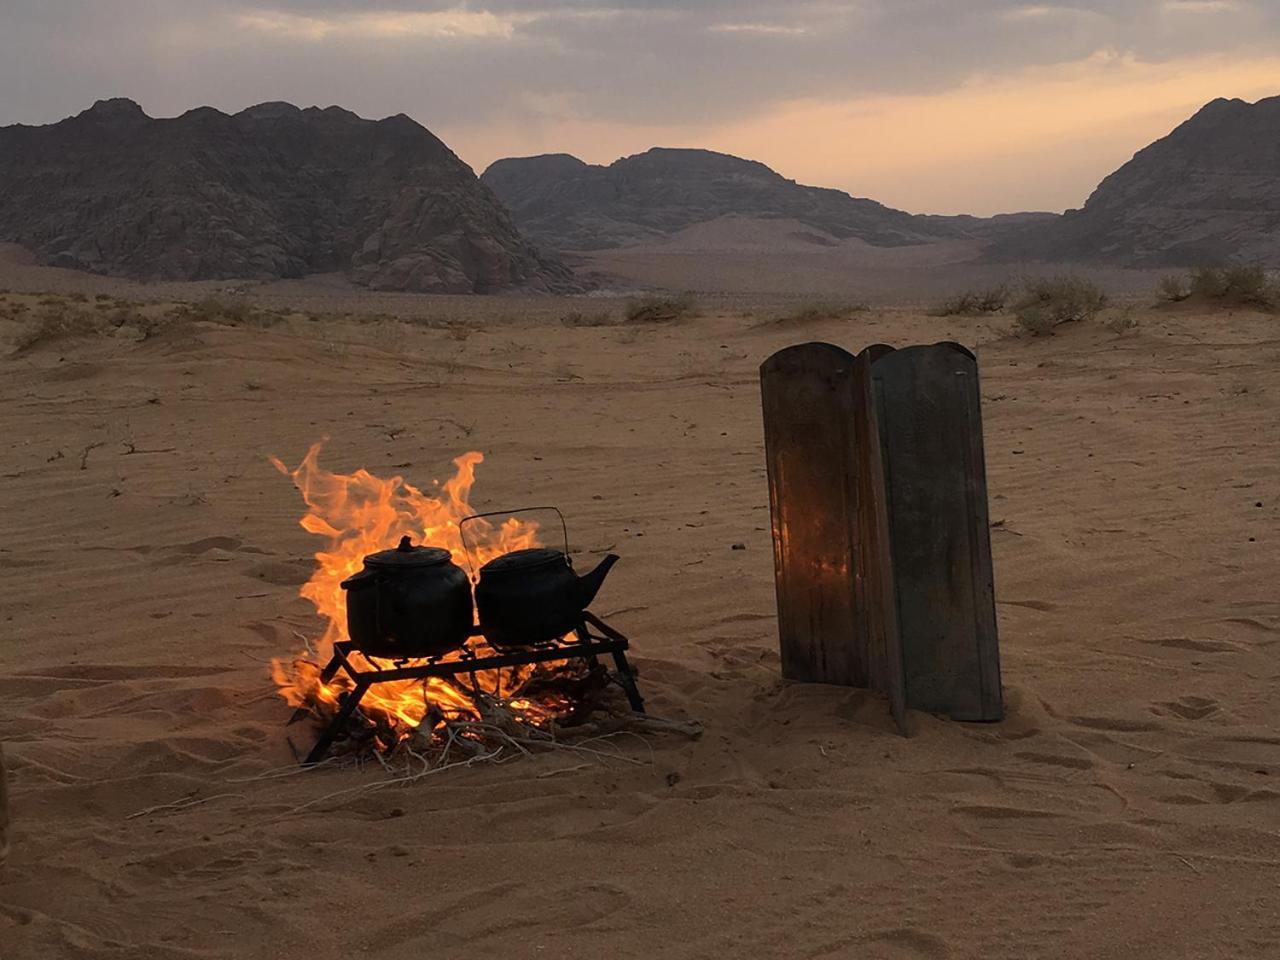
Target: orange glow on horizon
(1038,139)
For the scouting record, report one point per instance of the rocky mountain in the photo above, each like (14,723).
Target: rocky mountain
(1208,192)
(272,191)
(565,204)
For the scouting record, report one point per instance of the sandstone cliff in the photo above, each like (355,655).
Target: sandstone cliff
(273,191)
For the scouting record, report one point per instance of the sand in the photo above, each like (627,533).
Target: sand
(767,258)
(1128,807)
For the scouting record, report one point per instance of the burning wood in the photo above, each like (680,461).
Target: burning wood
(446,689)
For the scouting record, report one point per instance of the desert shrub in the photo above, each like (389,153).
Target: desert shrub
(229,310)
(390,335)
(54,323)
(1174,288)
(1047,302)
(1122,322)
(822,310)
(1245,284)
(660,309)
(595,318)
(974,302)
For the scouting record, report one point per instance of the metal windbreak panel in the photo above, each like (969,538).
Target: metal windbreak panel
(876,599)
(928,407)
(808,393)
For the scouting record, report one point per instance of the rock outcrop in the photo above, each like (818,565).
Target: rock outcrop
(1206,193)
(565,204)
(272,191)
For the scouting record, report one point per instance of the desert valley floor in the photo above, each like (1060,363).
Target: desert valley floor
(1128,807)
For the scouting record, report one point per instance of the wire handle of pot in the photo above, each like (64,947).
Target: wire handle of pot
(466,545)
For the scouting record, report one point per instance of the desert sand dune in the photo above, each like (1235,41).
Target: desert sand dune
(1128,807)
(768,258)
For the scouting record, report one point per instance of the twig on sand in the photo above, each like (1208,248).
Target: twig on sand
(379,784)
(305,642)
(185,803)
(84,454)
(1194,868)
(277,772)
(498,736)
(559,770)
(690,728)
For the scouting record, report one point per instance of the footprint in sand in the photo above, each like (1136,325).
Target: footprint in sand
(1194,645)
(282,573)
(1187,708)
(1058,760)
(1044,606)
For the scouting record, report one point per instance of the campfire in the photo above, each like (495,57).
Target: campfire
(388,671)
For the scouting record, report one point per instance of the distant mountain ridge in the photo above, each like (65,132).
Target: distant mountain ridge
(272,191)
(565,204)
(1207,192)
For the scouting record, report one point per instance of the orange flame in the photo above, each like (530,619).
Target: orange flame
(358,514)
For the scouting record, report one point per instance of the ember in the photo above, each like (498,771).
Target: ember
(360,515)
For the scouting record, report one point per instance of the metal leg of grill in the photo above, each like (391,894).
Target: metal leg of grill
(628,681)
(589,647)
(325,676)
(349,704)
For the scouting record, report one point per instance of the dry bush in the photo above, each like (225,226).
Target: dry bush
(974,302)
(390,335)
(1243,284)
(661,309)
(232,311)
(1123,322)
(1047,302)
(1174,288)
(52,324)
(822,310)
(596,318)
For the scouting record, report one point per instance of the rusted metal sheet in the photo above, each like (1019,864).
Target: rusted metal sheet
(4,813)
(810,405)
(875,594)
(927,401)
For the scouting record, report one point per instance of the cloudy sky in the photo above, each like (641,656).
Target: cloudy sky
(939,106)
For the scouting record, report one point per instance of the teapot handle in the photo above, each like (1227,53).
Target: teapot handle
(466,545)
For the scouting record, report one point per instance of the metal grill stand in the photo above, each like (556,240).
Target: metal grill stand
(588,646)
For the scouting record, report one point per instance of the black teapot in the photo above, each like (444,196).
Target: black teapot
(529,597)
(409,602)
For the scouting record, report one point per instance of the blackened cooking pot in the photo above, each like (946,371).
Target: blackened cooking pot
(528,597)
(409,602)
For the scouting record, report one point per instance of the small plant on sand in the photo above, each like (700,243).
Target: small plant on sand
(822,310)
(660,309)
(54,323)
(974,302)
(1174,288)
(1048,302)
(1242,284)
(594,318)
(221,310)
(1123,322)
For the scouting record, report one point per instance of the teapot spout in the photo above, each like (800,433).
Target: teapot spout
(589,583)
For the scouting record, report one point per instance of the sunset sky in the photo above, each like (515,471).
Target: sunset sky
(976,106)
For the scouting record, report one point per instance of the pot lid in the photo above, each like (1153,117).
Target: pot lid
(407,555)
(524,560)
